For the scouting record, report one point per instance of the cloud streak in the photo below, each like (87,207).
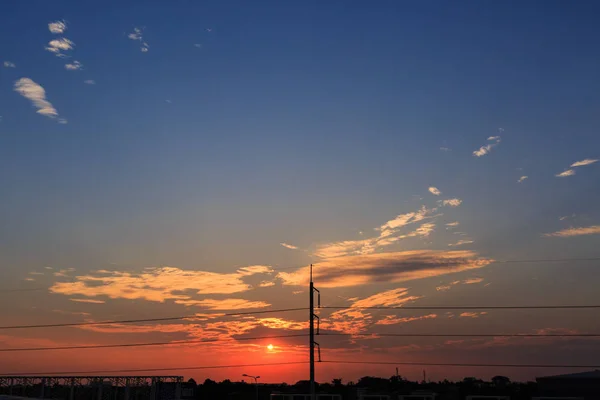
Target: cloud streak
(394,267)
(566,173)
(137,34)
(74,66)
(289,246)
(435,191)
(586,230)
(9,64)
(35,93)
(485,149)
(57,27)
(59,46)
(583,163)
(158,284)
(521,179)
(451,202)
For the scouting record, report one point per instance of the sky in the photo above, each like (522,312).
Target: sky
(192,158)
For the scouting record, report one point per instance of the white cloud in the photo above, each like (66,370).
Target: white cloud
(9,64)
(74,66)
(89,82)
(289,246)
(485,149)
(445,149)
(586,230)
(568,172)
(37,95)
(451,202)
(58,46)
(388,234)
(585,162)
(435,191)
(461,242)
(136,34)
(198,45)
(521,179)
(451,224)
(57,27)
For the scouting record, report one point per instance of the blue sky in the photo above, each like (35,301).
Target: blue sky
(210,132)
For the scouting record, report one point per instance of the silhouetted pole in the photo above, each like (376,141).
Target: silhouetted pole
(312,336)
(312,291)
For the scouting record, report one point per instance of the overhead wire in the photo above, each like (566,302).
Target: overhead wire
(501,335)
(147,344)
(552,307)
(106,371)
(440,364)
(133,321)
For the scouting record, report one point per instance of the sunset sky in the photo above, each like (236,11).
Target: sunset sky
(181,158)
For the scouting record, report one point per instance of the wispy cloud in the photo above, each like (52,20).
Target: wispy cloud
(59,46)
(393,319)
(461,243)
(74,66)
(137,34)
(158,284)
(289,246)
(9,64)
(386,267)
(521,179)
(445,149)
(37,95)
(568,172)
(90,301)
(389,298)
(388,235)
(435,191)
(453,224)
(266,284)
(472,314)
(198,45)
(224,304)
(89,82)
(587,230)
(451,202)
(485,149)
(583,163)
(472,281)
(57,27)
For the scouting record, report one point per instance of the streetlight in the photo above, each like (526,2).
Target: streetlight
(255,382)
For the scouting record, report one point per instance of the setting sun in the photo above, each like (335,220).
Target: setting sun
(270,347)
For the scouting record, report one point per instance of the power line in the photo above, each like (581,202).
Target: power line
(106,346)
(154,369)
(132,321)
(547,260)
(554,307)
(503,335)
(462,364)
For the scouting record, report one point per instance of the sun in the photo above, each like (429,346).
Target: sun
(270,347)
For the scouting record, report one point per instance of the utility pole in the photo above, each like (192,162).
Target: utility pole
(312,343)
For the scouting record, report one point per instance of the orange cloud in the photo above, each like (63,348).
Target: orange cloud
(472,314)
(393,319)
(386,267)
(587,230)
(225,304)
(158,284)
